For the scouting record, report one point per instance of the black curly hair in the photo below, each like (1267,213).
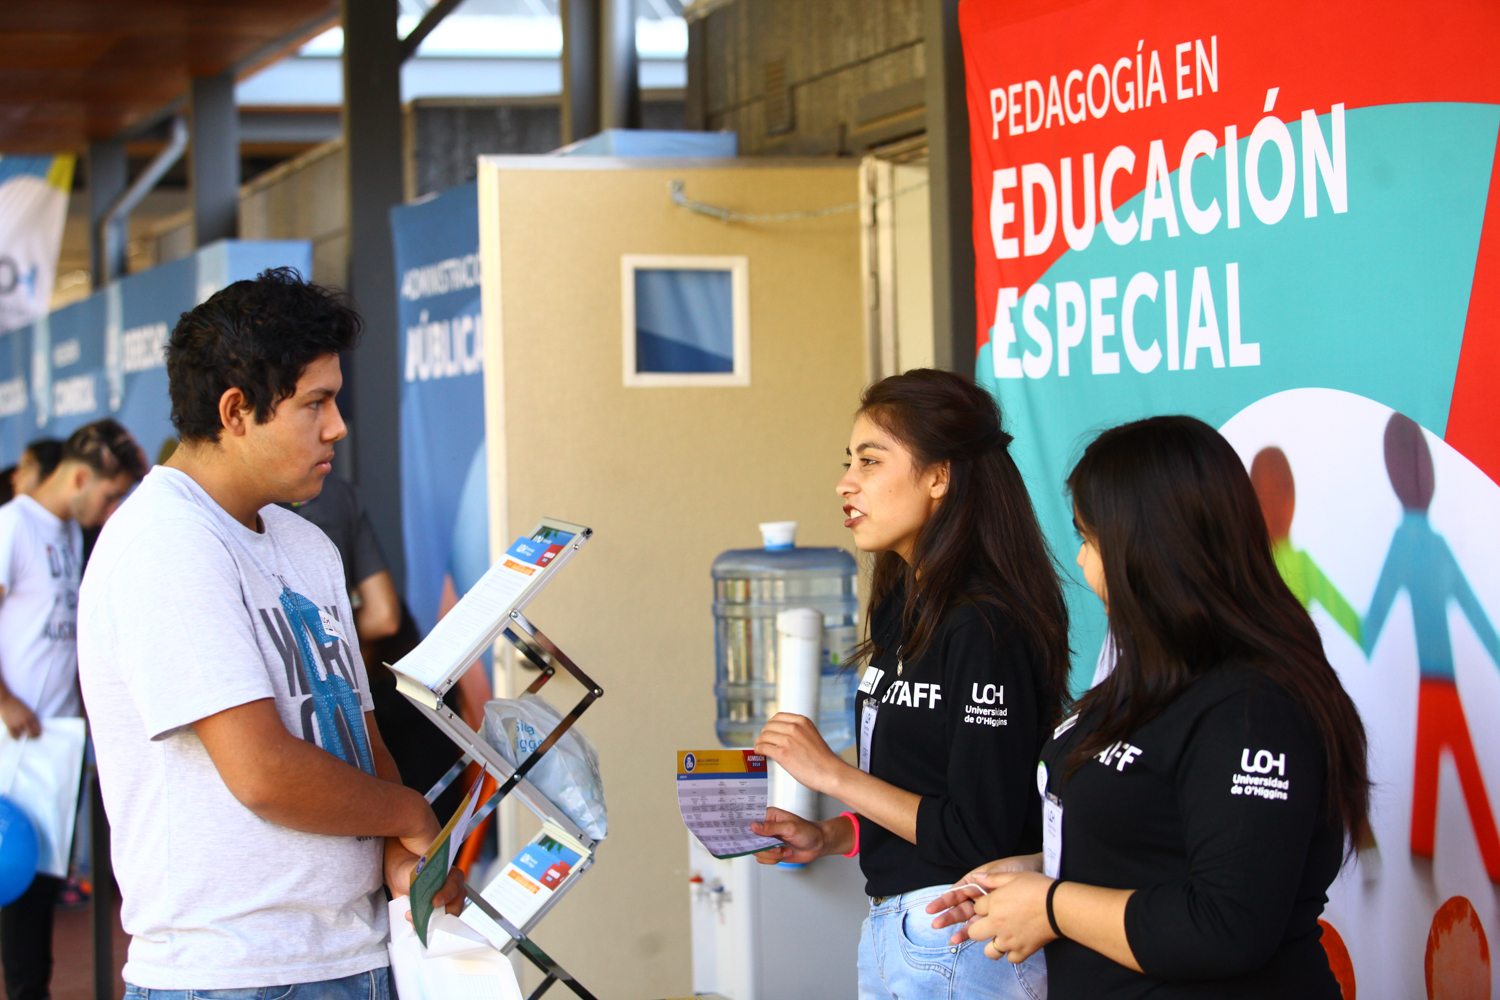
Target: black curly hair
(257,336)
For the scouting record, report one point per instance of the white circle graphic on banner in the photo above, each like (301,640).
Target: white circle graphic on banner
(1415,579)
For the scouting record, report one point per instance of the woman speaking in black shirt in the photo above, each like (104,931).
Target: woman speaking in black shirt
(1202,797)
(968,659)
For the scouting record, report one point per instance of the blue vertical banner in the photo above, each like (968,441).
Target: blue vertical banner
(135,342)
(444,494)
(17,415)
(105,356)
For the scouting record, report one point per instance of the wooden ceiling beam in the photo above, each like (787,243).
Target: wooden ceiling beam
(72,71)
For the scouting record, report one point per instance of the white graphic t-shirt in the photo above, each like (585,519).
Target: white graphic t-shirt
(40,557)
(184,613)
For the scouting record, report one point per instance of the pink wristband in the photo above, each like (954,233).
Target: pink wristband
(854,819)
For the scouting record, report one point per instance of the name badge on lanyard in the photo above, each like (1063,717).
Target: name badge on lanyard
(1052,820)
(870,707)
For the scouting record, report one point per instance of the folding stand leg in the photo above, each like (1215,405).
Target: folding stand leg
(554,973)
(544,654)
(533,643)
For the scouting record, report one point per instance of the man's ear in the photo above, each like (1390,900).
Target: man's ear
(235,412)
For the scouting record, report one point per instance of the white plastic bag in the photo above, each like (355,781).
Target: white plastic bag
(461,962)
(41,774)
(568,774)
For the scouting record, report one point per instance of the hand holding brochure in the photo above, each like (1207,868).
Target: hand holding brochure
(477,620)
(432,869)
(720,793)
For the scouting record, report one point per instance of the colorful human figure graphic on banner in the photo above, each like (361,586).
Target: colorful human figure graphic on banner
(1271,475)
(1276,489)
(1382,507)
(1421,563)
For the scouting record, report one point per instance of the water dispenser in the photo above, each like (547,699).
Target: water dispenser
(752,586)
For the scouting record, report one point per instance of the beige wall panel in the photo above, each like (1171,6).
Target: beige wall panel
(668,478)
(305,198)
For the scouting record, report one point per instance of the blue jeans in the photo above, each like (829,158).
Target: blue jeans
(900,955)
(373,985)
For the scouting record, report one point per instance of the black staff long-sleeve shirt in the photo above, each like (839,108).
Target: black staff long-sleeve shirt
(1214,813)
(961,726)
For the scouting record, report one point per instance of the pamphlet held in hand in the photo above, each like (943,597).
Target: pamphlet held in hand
(720,793)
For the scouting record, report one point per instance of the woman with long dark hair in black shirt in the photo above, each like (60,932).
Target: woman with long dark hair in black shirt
(968,660)
(1202,798)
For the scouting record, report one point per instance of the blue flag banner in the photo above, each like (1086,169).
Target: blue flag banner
(444,494)
(105,356)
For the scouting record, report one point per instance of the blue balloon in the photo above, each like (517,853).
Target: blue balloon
(18,852)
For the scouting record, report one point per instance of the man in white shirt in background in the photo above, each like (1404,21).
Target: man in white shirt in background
(41,561)
(255,811)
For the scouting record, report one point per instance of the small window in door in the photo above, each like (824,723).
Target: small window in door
(687,320)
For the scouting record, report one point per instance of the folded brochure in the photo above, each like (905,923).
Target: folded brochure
(433,866)
(462,635)
(720,793)
(528,882)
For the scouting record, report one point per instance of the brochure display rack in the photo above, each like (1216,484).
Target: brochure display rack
(491,609)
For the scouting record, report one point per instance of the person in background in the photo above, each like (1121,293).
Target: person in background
(255,812)
(41,563)
(337,510)
(1201,799)
(387,631)
(37,462)
(968,662)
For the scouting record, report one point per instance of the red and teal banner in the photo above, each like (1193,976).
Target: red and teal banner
(1279,218)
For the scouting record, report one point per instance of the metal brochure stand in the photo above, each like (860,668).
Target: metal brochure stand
(542,653)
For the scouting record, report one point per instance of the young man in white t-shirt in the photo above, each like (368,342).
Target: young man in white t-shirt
(254,809)
(41,561)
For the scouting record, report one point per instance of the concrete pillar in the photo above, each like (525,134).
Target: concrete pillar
(695,113)
(580,66)
(372,137)
(214,158)
(953,316)
(619,69)
(108,173)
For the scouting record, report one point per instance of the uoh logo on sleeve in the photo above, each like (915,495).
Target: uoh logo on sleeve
(1264,762)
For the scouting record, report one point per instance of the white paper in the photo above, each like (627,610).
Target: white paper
(41,775)
(868,711)
(449,936)
(479,972)
(1052,822)
(462,634)
(469,807)
(537,873)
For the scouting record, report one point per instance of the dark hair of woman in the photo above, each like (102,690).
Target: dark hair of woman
(1191,584)
(983,543)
